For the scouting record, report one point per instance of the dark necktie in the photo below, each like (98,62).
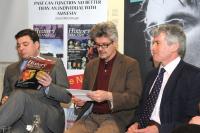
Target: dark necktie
(149,103)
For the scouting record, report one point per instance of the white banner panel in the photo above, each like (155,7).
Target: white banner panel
(67,11)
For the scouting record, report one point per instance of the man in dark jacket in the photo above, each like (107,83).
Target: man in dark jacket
(177,98)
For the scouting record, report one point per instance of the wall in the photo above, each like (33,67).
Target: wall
(13,17)
(116,15)
(3,66)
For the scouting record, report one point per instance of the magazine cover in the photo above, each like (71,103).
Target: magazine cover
(80,48)
(51,39)
(34,65)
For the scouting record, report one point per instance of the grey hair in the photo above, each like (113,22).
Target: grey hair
(104,29)
(174,34)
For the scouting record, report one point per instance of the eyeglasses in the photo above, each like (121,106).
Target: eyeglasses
(103,45)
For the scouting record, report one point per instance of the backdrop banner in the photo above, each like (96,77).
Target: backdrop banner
(63,27)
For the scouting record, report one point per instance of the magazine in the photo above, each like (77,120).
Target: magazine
(33,66)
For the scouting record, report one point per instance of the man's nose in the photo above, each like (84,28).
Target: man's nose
(152,47)
(100,48)
(20,48)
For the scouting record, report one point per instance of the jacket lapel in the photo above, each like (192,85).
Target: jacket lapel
(94,73)
(149,83)
(14,73)
(17,70)
(115,69)
(172,82)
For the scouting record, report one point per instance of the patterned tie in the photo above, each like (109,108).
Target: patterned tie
(144,116)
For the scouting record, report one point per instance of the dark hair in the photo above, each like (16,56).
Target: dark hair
(28,32)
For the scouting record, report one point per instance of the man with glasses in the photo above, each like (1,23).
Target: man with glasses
(115,83)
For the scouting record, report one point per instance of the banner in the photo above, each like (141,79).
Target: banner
(63,27)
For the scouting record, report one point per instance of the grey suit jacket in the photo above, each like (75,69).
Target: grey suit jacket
(125,85)
(57,92)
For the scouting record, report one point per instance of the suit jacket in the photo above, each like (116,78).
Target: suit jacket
(180,97)
(57,92)
(125,85)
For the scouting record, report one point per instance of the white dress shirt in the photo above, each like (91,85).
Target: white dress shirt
(169,68)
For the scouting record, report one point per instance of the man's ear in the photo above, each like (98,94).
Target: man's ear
(116,45)
(175,47)
(37,44)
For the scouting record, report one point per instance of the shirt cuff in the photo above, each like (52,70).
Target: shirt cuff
(46,90)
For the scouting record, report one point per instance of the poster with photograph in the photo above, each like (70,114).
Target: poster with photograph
(51,19)
(51,39)
(80,47)
(142,16)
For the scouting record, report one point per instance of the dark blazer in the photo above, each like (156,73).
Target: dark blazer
(57,92)
(125,85)
(180,97)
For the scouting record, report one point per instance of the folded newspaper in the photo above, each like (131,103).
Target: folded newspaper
(33,66)
(81,94)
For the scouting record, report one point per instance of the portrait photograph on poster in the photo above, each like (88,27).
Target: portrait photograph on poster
(142,16)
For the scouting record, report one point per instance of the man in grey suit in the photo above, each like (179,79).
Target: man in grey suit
(115,83)
(20,105)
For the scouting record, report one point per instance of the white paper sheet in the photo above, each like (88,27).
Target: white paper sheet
(81,94)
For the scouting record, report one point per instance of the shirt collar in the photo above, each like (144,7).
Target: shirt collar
(110,61)
(169,68)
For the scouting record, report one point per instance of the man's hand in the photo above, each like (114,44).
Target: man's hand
(78,102)
(149,129)
(100,95)
(195,120)
(4,99)
(133,128)
(44,78)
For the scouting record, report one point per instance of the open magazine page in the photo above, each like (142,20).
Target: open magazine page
(28,75)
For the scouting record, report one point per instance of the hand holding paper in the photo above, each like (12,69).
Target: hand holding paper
(78,102)
(100,95)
